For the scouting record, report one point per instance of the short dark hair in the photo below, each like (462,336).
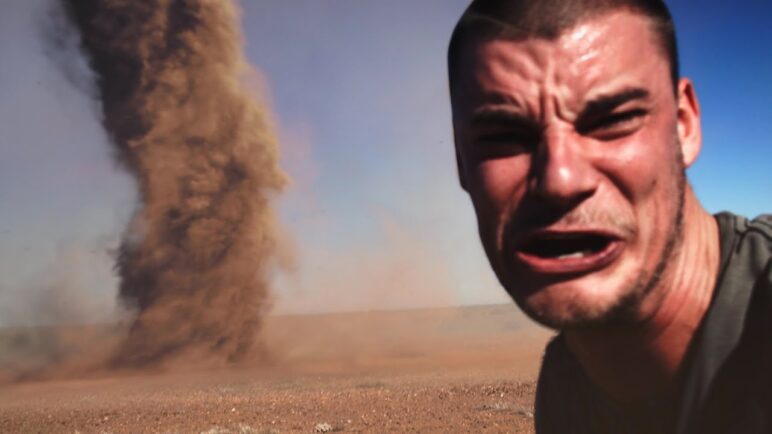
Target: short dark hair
(548,19)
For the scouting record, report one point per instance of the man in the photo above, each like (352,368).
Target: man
(573,131)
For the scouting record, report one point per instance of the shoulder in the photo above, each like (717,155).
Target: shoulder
(739,394)
(751,245)
(560,390)
(759,234)
(759,228)
(558,363)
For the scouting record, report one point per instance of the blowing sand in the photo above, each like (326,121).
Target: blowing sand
(441,370)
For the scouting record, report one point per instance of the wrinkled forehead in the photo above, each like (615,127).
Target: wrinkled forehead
(595,56)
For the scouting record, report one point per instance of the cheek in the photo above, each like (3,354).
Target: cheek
(645,172)
(501,180)
(639,167)
(496,187)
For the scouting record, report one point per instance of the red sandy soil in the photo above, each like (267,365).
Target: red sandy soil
(458,370)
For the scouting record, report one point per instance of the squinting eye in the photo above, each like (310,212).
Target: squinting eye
(502,138)
(614,125)
(503,144)
(620,118)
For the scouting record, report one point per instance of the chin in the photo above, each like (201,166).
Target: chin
(579,305)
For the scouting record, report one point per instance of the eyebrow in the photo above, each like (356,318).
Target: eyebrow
(606,103)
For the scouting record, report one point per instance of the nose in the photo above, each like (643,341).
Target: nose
(562,174)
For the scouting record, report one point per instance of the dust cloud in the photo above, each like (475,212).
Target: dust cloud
(195,258)
(195,263)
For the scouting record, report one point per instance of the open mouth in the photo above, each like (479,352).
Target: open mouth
(558,252)
(566,246)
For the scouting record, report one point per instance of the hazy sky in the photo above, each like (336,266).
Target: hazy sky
(358,89)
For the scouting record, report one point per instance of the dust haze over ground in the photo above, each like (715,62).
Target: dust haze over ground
(195,257)
(469,369)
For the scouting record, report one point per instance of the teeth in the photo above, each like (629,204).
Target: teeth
(581,254)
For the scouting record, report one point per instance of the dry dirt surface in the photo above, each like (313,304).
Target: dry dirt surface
(461,370)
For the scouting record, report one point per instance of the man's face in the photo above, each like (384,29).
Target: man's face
(570,151)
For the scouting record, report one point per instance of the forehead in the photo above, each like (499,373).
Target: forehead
(596,56)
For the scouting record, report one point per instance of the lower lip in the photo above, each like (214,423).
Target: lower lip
(572,265)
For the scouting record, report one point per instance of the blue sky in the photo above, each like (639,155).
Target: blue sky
(358,90)
(726,48)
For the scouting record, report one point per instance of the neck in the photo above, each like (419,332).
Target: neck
(644,358)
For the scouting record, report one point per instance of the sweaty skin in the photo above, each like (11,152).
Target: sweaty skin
(583,137)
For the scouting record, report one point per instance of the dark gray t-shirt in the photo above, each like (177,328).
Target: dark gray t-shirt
(727,378)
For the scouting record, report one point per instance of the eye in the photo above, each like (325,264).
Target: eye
(501,144)
(613,125)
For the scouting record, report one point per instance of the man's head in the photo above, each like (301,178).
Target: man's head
(572,145)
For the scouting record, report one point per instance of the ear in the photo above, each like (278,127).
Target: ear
(689,127)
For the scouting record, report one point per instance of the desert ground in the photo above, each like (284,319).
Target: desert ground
(446,370)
